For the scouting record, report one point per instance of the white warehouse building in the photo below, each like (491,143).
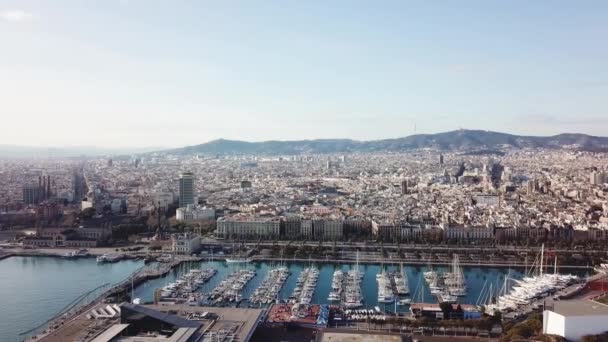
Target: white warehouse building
(573,319)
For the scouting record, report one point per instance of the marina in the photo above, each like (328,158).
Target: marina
(479,281)
(386,293)
(337,286)
(183,289)
(305,286)
(535,285)
(230,289)
(268,291)
(448,286)
(353,298)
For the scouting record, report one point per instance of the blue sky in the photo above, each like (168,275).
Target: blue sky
(169,73)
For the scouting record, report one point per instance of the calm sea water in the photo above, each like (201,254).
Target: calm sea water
(33,289)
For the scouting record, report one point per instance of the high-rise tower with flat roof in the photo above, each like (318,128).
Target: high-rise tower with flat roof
(186,189)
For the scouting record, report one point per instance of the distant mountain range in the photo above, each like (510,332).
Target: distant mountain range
(460,140)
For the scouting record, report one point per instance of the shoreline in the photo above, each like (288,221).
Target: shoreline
(407,262)
(255,259)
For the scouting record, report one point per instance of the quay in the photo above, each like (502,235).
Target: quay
(394,262)
(120,290)
(5,256)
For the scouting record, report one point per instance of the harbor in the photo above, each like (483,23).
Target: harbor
(303,283)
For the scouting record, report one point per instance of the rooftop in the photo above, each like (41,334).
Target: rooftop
(580,308)
(110,333)
(239,322)
(358,337)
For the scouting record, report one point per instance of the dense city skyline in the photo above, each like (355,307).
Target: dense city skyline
(167,75)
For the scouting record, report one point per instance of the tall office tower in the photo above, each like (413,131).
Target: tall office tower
(441,159)
(31,194)
(404,187)
(110,162)
(186,189)
(48,187)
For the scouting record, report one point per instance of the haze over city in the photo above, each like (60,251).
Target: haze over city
(303,171)
(157,73)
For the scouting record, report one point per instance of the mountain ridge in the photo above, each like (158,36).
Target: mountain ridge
(459,140)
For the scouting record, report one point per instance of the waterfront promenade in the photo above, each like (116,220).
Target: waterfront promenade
(411,254)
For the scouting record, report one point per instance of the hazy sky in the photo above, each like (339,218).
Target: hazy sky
(170,73)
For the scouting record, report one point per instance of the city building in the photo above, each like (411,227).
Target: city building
(249,227)
(68,237)
(192,213)
(404,187)
(597,178)
(386,230)
(185,243)
(178,323)
(487,200)
(186,189)
(48,210)
(164,199)
(116,206)
(327,229)
(306,229)
(31,194)
(245,185)
(468,233)
(573,319)
(293,227)
(85,203)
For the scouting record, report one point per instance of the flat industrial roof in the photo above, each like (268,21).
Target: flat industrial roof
(358,337)
(580,308)
(110,333)
(175,320)
(180,335)
(241,321)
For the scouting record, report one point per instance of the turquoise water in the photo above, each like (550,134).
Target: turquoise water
(476,278)
(33,289)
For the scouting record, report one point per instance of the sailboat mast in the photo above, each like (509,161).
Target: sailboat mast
(132,288)
(542,256)
(555,265)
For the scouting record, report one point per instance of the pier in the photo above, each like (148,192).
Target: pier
(94,297)
(229,290)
